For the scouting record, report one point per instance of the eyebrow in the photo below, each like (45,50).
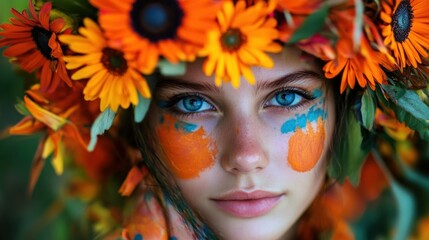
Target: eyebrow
(288,78)
(177,83)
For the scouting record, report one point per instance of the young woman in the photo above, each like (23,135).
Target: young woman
(243,111)
(247,161)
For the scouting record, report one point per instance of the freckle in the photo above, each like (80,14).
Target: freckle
(305,148)
(188,149)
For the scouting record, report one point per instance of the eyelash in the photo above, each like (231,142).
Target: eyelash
(307,97)
(171,104)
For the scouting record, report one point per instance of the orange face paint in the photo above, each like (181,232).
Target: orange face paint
(305,148)
(188,149)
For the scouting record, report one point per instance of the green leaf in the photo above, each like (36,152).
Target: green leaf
(103,122)
(410,109)
(367,110)
(349,155)
(169,69)
(21,108)
(141,108)
(406,211)
(76,9)
(393,91)
(311,25)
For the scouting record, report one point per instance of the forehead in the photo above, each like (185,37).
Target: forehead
(290,60)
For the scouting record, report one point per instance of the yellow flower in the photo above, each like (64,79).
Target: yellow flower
(112,74)
(240,41)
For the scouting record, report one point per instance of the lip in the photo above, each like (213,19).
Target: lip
(247,204)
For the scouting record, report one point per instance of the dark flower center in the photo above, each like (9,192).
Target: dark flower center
(41,37)
(114,61)
(156,19)
(402,21)
(232,39)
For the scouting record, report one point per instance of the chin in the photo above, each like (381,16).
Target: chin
(260,228)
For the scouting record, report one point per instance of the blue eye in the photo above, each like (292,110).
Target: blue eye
(191,104)
(285,98)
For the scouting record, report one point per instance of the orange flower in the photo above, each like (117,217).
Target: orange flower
(113,77)
(240,41)
(173,29)
(34,46)
(363,65)
(405,28)
(106,159)
(60,115)
(342,204)
(300,6)
(134,177)
(318,46)
(423,228)
(395,129)
(372,181)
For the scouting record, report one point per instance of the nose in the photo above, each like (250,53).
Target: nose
(244,152)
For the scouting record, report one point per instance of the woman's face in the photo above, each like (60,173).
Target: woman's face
(250,160)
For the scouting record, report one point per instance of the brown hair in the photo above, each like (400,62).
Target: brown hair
(148,145)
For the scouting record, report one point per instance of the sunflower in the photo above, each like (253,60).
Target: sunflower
(363,65)
(406,30)
(239,42)
(171,28)
(34,46)
(113,77)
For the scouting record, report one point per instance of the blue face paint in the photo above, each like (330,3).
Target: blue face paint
(317,93)
(185,127)
(301,120)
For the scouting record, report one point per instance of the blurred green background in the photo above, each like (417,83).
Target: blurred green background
(24,216)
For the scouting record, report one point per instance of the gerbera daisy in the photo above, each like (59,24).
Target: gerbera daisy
(363,65)
(406,30)
(34,46)
(152,27)
(240,41)
(113,77)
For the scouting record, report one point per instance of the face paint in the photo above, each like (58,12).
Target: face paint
(301,120)
(188,149)
(305,148)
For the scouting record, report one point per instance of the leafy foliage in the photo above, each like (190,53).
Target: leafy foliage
(311,25)
(409,108)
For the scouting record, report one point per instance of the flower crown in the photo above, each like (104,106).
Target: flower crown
(95,60)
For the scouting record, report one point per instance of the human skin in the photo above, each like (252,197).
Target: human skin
(243,140)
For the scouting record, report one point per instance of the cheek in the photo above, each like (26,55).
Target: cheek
(187,153)
(306,147)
